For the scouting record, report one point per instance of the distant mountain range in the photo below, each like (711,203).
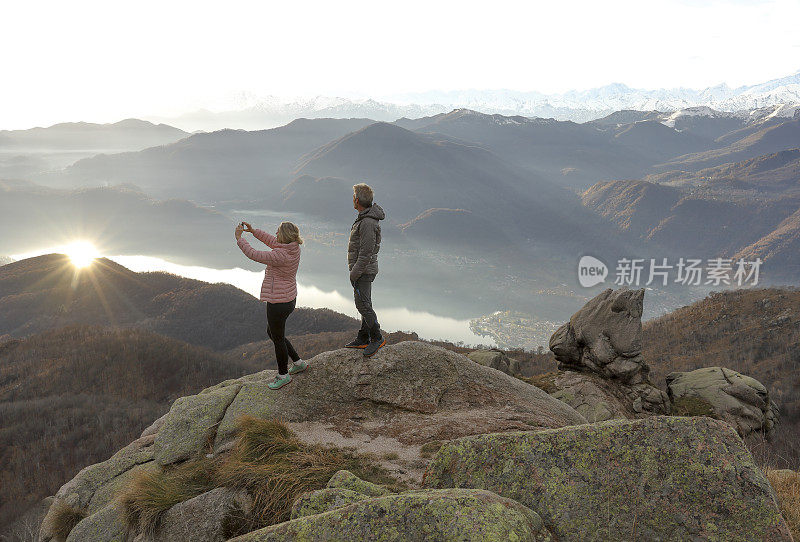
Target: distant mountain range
(39,150)
(649,182)
(412,171)
(219,165)
(687,224)
(583,105)
(768,139)
(625,144)
(774,173)
(622,145)
(575,105)
(128,134)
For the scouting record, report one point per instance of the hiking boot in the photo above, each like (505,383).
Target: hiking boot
(280,381)
(373,346)
(297,367)
(359,342)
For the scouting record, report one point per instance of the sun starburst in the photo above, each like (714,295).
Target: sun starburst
(81,253)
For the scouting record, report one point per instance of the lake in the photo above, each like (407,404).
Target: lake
(391,318)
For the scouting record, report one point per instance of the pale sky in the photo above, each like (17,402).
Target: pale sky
(102,61)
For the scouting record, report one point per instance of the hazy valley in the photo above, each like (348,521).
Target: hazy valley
(508,203)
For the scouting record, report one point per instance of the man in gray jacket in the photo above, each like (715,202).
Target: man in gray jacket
(362,259)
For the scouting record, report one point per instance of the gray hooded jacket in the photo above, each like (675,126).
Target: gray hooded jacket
(365,241)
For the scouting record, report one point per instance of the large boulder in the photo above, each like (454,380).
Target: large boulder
(94,486)
(598,399)
(449,514)
(604,338)
(409,393)
(738,399)
(658,478)
(495,359)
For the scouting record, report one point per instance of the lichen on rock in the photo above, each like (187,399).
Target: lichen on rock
(345,479)
(448,514)
(658,478)
(324,500)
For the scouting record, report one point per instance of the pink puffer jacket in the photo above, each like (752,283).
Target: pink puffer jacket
(280,284)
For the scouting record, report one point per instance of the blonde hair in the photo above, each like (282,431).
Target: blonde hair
(363,193)
(288,233)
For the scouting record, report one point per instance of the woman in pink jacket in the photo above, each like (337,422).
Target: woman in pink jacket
(279,290)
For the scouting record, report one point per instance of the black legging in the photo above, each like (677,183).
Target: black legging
(277,313)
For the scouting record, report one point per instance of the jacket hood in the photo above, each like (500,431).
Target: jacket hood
(373,211)
(293,246)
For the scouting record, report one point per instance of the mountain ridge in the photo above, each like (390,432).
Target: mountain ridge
(43,292)
(577,105)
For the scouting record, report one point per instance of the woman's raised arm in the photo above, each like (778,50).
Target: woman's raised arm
(264,237)
(269,257)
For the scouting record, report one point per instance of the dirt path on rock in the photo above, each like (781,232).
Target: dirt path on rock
(403,461)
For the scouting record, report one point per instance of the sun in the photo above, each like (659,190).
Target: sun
(81,253)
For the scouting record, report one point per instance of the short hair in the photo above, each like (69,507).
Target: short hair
(363,193)
(288,233)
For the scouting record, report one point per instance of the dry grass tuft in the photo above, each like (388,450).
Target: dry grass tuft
(786,484)
(692,406)
(64,519)
(268,461)
(430,448)
(545,382)
(150,494)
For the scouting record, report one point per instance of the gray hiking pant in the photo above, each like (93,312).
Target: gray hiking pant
(362,292)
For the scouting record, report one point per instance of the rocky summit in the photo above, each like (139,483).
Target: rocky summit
(590,459)
(411,394)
